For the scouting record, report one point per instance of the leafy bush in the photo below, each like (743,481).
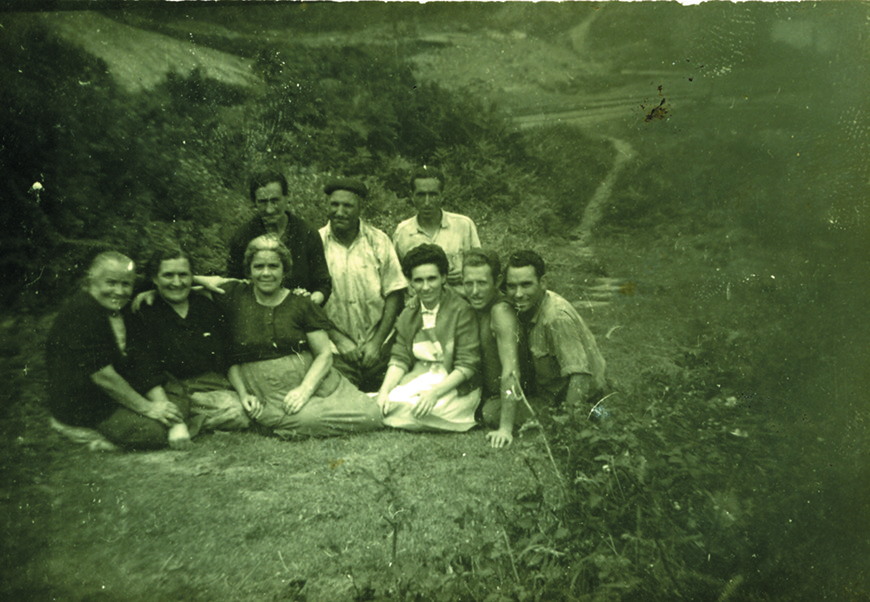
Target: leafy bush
(172,164)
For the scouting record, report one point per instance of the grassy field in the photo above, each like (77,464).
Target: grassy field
(394,515)
(723,289)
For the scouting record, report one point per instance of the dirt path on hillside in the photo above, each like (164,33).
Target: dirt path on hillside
(594,209)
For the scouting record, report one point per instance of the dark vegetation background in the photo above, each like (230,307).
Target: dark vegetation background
(735,464)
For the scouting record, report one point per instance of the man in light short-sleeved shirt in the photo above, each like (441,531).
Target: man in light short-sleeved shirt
(367,285)
(559,358)
(452,232)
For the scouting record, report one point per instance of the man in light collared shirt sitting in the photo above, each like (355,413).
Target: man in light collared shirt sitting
(367,285)
(452,232)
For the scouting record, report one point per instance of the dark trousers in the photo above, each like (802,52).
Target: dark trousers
(129,429)
(367,380)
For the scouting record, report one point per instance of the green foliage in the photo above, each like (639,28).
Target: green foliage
(171,165)
(648,516)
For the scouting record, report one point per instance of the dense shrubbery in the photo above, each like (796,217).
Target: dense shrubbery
(132,170)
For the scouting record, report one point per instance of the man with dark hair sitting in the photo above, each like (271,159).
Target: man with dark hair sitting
(310,273)
(499,334)
(95,376)
(183,336)
(559,358)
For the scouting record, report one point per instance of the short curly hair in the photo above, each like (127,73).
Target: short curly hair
(268,242)
(423,255)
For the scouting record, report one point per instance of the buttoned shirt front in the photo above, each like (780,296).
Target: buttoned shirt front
(363,274)
(559,345)
(261,332)
(456,235)
(185,347)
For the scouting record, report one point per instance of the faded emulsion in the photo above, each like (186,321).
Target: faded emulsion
(695,177)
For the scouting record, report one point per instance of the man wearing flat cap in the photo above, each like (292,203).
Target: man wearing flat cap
(367,285)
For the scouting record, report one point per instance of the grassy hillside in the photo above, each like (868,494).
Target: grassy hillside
(724,287)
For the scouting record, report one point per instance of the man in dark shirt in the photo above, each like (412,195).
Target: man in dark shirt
(310,272)
(184,338)
(95,374)
(481,277)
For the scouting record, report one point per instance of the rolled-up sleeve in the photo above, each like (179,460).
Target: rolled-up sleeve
(569,344)
(392,278)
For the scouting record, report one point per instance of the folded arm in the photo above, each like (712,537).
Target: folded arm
(318,341)
(157,406)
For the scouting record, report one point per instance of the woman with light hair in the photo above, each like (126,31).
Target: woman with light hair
(95,381)
(280,353)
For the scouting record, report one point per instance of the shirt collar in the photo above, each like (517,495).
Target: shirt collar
(444,223)
(537,314)
(360,234)
(429,315)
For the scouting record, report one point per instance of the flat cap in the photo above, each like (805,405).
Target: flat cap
(350,184)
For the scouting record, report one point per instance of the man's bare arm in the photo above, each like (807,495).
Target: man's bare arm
(506,328)
(372,348)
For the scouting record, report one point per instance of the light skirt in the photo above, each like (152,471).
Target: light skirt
(453,412)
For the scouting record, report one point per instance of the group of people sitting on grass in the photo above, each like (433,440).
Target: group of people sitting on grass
(319,333)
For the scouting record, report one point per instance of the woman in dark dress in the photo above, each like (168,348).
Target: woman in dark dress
(95,378)
(280,353)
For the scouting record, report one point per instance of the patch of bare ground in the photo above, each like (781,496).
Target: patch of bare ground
(139,59)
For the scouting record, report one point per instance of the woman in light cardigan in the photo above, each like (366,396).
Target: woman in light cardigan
(432,381)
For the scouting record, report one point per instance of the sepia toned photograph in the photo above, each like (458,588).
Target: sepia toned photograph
(443,301)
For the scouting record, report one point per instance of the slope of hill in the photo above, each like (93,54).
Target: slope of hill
(139,59)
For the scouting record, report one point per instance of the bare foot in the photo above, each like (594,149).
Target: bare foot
(179,437)
(102,445)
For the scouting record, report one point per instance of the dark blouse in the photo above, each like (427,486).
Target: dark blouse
(183,347)
(310,270)
(80,343)
(257,332)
